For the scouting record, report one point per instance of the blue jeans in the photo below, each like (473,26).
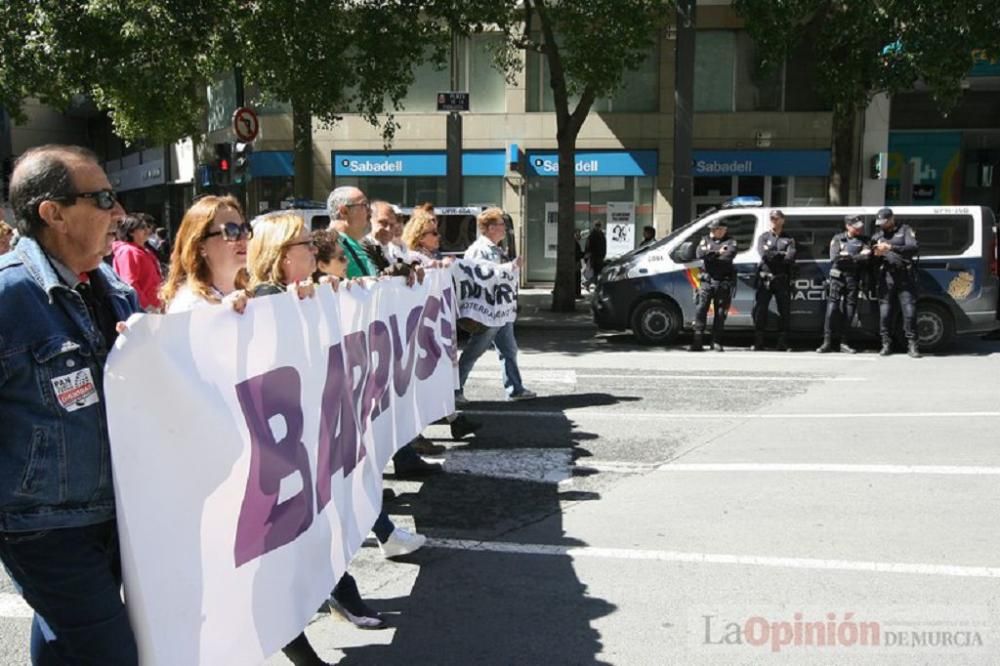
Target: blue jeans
(502,339)
(72,578)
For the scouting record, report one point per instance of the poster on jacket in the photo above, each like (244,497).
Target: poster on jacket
(551,230)
(620,228)
(248,451)
(486,292)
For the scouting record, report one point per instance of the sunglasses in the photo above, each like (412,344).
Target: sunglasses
(311,243)
(233,232)
(103,199)
(432,233)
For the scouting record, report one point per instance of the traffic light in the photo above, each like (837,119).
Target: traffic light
(241,162)
(223,163)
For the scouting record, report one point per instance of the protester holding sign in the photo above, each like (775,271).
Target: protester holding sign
(208,262)
(422,237)
(60,309)
(492,230)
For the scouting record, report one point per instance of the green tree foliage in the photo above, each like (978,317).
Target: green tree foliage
(865,47)
(588,46)
(149,62)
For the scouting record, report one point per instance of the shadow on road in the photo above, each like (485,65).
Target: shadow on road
(486,607)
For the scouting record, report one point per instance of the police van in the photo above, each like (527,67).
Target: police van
(651,289)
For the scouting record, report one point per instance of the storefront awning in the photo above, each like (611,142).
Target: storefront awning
(272,164)
(598,163)
(417,163)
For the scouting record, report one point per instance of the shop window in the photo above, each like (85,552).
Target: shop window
(639,92)
(810,191)
(713,186)
(485,190)
(813,234)
(801,74)
(940,235)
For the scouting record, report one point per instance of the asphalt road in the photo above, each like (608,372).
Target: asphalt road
(661,507)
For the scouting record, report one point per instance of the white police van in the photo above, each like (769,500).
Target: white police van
(651,289)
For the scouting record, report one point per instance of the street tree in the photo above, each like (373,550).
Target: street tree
(149,63)
(588,47)
(866,47)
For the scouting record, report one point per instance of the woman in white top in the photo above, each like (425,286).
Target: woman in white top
(208,263)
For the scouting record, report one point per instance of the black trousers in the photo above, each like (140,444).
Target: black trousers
(841,306)
(897,287)
(719,295)
(777,286)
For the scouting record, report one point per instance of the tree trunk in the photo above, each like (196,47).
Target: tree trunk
(303,157)
(841,157)
(564,293)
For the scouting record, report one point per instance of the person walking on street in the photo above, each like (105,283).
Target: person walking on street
(61,309)
(849,252)
(896,247)
(718,280)
(596,250)
(774,275)
(487,247)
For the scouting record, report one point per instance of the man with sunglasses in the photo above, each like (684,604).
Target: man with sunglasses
(60,307)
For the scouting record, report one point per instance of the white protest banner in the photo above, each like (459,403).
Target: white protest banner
(621,228)
(248,453)
(551,230)
(487,292)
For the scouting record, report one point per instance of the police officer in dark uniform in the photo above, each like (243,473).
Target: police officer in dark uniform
(774,274)
(896,248)
(849,252)
(718,280)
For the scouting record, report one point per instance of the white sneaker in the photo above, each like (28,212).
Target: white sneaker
(460,399)
(401,543)
(523,395)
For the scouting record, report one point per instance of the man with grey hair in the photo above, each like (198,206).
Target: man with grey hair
(60,312)
(349,209)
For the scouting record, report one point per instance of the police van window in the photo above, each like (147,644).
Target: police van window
(319,222)
(741,228)
(941,235)
(812,234)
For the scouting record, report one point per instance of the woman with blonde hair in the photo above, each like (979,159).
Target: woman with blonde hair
(208,263)
(422,238)
(281,254)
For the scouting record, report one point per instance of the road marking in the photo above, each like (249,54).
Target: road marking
(957,470)
(584,552)
(14,605)
(721,416)
(725,378)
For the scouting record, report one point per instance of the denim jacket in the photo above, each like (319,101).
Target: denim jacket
(55,460)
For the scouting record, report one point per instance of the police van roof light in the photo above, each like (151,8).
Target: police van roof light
(742,202)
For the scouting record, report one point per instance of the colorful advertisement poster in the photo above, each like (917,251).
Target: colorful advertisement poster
(934,158)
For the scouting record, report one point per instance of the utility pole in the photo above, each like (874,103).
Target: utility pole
(683,112)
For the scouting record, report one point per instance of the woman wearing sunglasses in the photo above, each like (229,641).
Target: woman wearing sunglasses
(208,263)
(422,238)
(134,263)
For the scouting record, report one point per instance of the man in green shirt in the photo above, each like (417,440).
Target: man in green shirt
(349,210)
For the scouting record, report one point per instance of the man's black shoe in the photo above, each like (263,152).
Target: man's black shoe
(426,447)
(463,426)
(913,350)
(417,469)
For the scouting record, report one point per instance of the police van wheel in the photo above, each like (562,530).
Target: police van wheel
(656,322)
(935,327)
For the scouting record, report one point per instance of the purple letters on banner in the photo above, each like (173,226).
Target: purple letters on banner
(264,524)
(338,429)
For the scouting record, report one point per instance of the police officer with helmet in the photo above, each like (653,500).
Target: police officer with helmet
(896,248)
(849,252)
(774,274)
(718,280)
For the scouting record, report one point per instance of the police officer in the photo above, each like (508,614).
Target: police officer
(896,247)
(849,252)
(718,279)
(774,274)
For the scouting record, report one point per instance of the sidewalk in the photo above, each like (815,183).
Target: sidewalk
(535,311)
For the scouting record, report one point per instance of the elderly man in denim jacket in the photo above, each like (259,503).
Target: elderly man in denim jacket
(492,229)
(60,310)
